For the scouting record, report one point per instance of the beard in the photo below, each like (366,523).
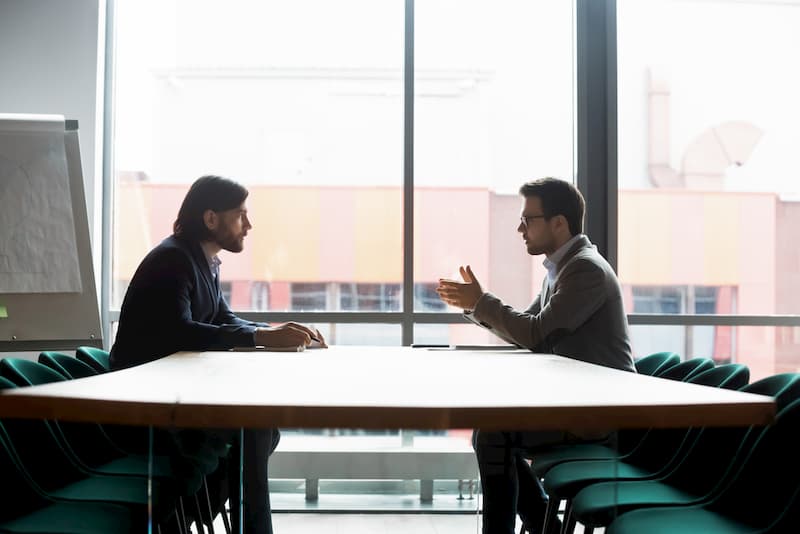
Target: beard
(229,241)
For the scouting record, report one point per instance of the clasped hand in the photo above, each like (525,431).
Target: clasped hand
(289,335)
(464,295)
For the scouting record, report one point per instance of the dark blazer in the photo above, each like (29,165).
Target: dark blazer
(582,317)
(174,303)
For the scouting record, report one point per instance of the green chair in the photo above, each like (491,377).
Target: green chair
(684,371)
(703,470)
(97,359)
(184,466)
(87,443)
(758,497)
(657,453)
(627,440)
(26,508)
(655,363)
(39,451)
(67,366)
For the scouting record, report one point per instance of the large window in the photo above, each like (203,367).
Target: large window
(708,175)
(301,102)
(305,103)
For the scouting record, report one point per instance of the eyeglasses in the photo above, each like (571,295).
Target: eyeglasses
(525,219)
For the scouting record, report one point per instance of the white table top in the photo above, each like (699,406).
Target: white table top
(384,387)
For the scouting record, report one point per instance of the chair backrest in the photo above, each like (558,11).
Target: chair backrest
(768,476)
(790,518)
(6,383)
(97,359)
(83,442)
(717,450)
(725,376)
(41,454)
(685,370)
(664,447)
(24,372)
(69,367)
(21,495)
(784,388)
(651,364)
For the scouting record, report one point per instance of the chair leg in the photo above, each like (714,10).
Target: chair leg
(588,530)
(199,520)
(181,518)
(551,514)
(569,520)
(225,519)
(208,505)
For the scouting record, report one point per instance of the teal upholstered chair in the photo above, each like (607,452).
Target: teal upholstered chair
(758,498)
(97,359)
(704,470)
(26,509)
(627,440)
(655,455)
(653,364)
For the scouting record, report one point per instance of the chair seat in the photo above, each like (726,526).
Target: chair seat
(679,520)
(565,480)
(124,490)
(544,461)
(136,465)
(598,504)
(72,518)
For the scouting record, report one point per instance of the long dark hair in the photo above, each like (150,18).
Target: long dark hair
(207,193)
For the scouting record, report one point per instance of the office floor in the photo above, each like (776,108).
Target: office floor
(339,523)
(302,523)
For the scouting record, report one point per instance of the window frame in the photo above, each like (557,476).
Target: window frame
(595,163)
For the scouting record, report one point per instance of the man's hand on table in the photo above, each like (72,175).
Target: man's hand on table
(289,335)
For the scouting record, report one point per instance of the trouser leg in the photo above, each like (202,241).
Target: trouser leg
(531,497)
(255,448)
(498,481)
(507,483)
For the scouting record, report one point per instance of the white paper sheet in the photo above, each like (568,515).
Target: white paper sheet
(38,249)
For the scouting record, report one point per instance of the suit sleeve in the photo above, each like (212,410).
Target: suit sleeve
(579,293)
(226,317)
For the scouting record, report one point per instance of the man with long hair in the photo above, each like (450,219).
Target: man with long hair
(174,303)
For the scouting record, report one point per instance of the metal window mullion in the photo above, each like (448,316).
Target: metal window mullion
(596,120)
(107,177)
(407,319)
(645,319)
(635,319)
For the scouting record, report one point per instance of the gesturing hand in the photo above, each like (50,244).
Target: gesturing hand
(464,294)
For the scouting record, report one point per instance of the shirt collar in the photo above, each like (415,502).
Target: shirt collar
(551,262)
(213,261)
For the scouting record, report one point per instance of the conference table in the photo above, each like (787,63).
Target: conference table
(491,388)
(384,387)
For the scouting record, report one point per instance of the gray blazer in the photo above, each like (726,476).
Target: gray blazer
(582,317)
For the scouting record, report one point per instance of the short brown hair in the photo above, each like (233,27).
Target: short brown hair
(558,197)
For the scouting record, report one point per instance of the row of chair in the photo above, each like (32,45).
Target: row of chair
(81,478)
(690,480)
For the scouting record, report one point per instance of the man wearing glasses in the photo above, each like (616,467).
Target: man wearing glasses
(578,313)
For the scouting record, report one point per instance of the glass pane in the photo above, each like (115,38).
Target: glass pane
(766,350)
(709,218)
(361,334)
(374,469)
(454,334)
(293,106)
(493,109)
